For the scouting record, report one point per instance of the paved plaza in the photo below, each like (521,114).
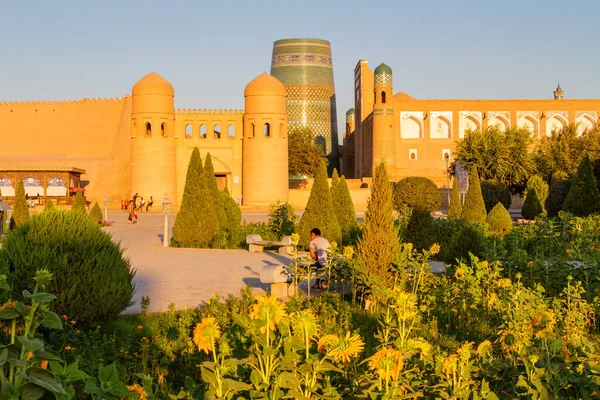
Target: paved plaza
(186,277)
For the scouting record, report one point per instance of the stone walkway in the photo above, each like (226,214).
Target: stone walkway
(186,277)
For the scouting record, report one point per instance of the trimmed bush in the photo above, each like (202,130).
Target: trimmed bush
(92,280)
(556,197)
(417,191)
(499,219)
(494,192)
(541,188)
(583,198)
(220,239)
(474,206)
(455,209)
(96,214)
(532,207)
(196,223)
(319,211)
(79,203)
(20,214)
(49,206)
(233,219)
(282,219)
(420,231)
(379,245)
(343,207)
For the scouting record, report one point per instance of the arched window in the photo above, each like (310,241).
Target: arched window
(251,130)
(188,131)
(383,97)
(281,131)
(217,131)
(148,129)
(231,131)
(163,130)
(134,130)
(267,129)
(412,154)
(202,131)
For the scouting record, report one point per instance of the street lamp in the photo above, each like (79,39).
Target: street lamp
(166,209)
(105,201)
(447,158)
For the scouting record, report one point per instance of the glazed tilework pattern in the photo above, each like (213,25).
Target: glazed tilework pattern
(5,182)
(31,182)
(383,79)
(301,59)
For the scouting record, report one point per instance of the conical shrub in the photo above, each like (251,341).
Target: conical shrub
(499,219)
(532,207)
(233,221)
(379,245)
(455,209)
(20,214)
(541,188)
(420,231)
(343,207)
(96,214)
(49,206)
(196,223)
(474,207)
(583,198)
(319,211)
(79,203)
(220,239)
(556,197)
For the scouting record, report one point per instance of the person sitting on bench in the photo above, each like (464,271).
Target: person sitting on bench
(318,246)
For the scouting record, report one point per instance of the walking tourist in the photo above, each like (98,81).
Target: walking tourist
(132,214)
(318,252)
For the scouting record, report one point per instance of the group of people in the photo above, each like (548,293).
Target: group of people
(133,207)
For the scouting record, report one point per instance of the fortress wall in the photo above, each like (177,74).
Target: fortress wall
(226,151)
(92,134)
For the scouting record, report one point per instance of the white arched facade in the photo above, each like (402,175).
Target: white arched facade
(529,122)
(555,123)
(411,125)
(440,128)
(584,121)
(502,122)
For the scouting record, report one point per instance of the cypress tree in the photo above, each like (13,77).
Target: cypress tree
(420,231)
(49,206)
(343,207)
(20,214)
(196,223)
(532,206)
(335,180)
(79,203)
(379,245)
(474,207)
(455,209)
(220,240)
(583,198)
(499,219)
(319,211)
(96,213)
(234,217)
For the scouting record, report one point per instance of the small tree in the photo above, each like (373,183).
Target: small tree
(499,219)
(20,214)
(532,207)
(343,207)
(416,192)
(96,214)
(79,203)
(583,198)
(541,188)
(220,239)
(49,206)
(474,207)
(233,221)
(556,196)
(282,219)
(455,209)
(379,245)
(304,155)
(196,223)
(319,211)
(494,192)
(420,231)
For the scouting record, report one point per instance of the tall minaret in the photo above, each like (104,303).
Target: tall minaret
(558,93)
(383,119)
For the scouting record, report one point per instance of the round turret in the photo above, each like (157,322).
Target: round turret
(350,113)
(152,93)
(383,69)
(265,85)
(153,84)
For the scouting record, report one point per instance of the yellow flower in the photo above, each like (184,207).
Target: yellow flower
(205,333)
(137,389)
(295,239)
(387,363)
(421,345)
(459,274)
(304,323)
(44,364)
(29,355)
(406,305)
(348,252)
(346,348)
(327,342)
(485,348)
(434,249)
(268,308)
(504,283)
(464,351)
(450,364)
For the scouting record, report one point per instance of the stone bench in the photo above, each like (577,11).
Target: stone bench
(281,283)
(257,245)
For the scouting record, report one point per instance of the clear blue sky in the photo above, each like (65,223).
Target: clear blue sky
(209,50)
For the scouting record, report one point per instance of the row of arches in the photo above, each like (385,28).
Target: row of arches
(148,129)
(203,131)
(441,128)
(267,130)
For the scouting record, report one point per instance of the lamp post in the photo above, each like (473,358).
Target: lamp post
(105,202)
(447,158)
(166,208)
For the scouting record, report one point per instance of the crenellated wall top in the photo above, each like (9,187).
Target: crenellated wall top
(86,100)
(194,111)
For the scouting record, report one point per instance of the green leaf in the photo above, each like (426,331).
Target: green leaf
(27,294)
(74,373)
(43,297)
(44,355)
(3,356)
(8,314)
(31,345)
(52,321)
(45,379)
(4,285)
(31,391)
(9,392)
(108,374)
(21,309)
(118,389)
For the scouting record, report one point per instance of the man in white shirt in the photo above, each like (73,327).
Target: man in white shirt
(318,246)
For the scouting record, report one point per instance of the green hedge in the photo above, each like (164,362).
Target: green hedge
(416,191)
(494,192)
